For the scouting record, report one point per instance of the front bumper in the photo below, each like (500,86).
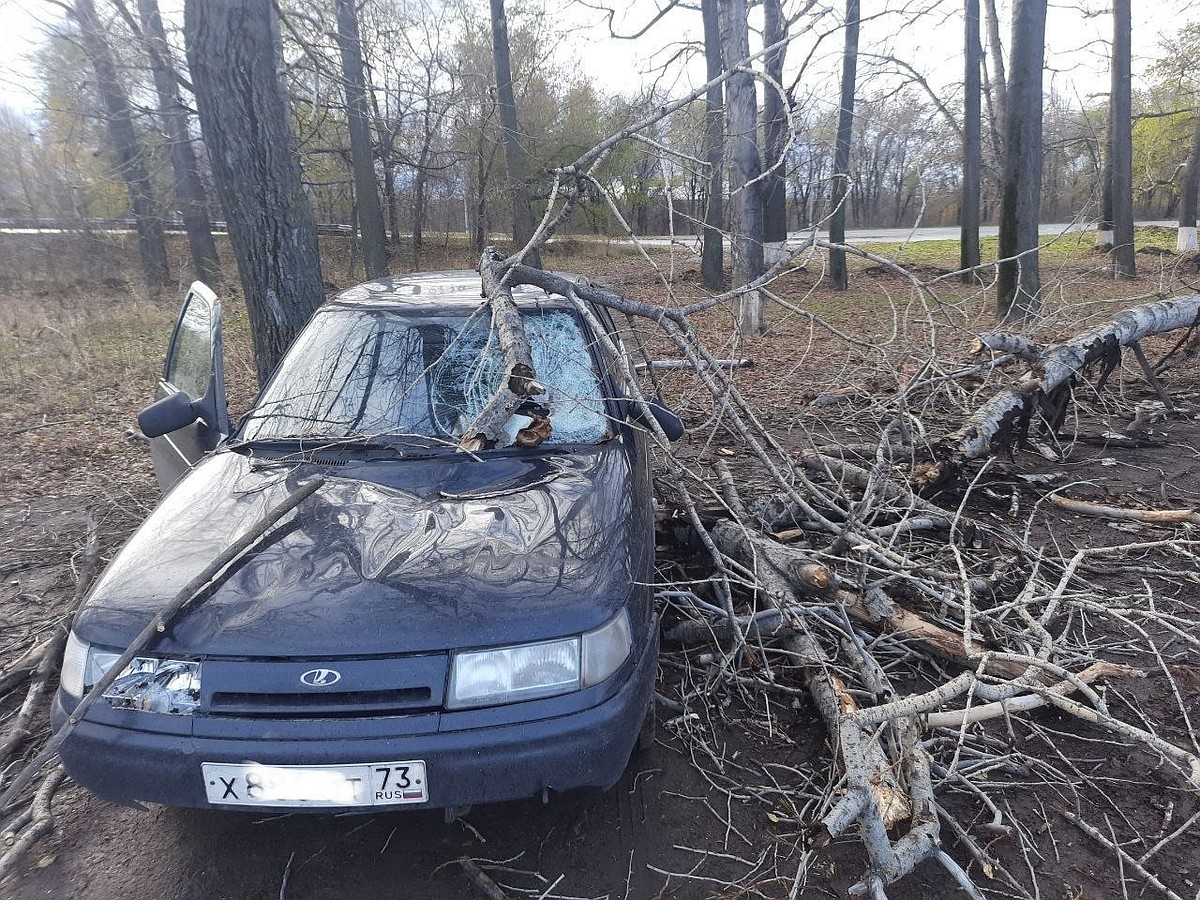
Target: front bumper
(586,748)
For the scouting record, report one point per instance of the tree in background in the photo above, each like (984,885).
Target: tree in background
(514,151)
(362,153)
(1120,143)
(1188,194)
(972,169)
(127,148)
(189,191)
(1018,283)
(745,187)
(712,255)
(838,276)
(231,50)
(776,134)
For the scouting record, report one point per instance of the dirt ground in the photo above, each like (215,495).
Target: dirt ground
(78,357)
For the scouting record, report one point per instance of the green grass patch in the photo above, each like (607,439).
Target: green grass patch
(1072,248)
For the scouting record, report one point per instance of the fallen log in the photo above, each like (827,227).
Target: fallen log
(1102,511)
(520,382)
(1004,419)
(996,342)
(785,570)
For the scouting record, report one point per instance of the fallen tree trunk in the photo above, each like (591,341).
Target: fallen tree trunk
(1151,516)
(520,383)
(782,569)
(1004,419)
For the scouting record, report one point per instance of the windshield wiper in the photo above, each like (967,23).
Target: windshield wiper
(371,447)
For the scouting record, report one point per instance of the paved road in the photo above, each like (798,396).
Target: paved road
(906,235)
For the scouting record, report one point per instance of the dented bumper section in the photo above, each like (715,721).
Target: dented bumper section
(481,756)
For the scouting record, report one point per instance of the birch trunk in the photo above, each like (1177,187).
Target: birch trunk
(1003,418)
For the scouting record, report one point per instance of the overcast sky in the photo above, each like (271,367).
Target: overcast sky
(1076,54)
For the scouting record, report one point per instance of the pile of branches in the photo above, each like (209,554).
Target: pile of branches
(829,572)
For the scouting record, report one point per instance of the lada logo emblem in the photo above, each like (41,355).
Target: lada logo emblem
(320,677)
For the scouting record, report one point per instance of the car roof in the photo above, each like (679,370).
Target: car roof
(433,289)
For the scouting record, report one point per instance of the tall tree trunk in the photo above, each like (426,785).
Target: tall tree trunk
(1120,125)
(972,172)
(514,150)
(1104,230)
(775,137)
(190,192)
(1189,195)
(838,277)
(389,199)
(712,258)
(418,233)
(231,48)
(745,167)
(129,152)
(999,79)
(362,153)
(1018,280)
(482,170)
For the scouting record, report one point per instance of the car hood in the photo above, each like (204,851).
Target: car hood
(386,557)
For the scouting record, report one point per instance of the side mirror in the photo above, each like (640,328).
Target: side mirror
(670,423)
(171,413)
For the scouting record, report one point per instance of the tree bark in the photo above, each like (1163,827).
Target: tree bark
(1018,282)
(838,277)
(128,149)
(231,47)
(999,79)
(190,192)
(972,149)
(712,258)
(1104,229)
(362,152)
(745,167)
(775,136)
(1189,195)
(514,150)
(1120,124)
(1006,416)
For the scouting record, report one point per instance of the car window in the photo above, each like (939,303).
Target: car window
(189,362)
(380,372)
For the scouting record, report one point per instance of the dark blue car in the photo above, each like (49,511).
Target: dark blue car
(432,627)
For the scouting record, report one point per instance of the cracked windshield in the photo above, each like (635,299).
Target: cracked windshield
(428,376)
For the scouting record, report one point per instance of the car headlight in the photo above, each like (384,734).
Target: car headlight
(508,674)
(532,671)
(83,665)
(154,685)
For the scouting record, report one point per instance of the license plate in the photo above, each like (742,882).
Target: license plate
(362,784)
